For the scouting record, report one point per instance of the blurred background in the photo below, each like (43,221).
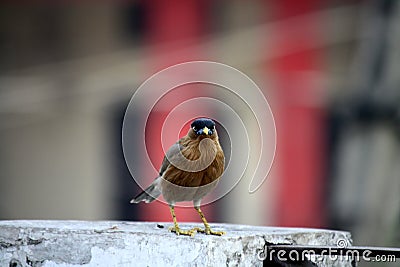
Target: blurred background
(330,70)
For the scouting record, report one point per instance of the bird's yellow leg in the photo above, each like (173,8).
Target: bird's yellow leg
(176,228)
(207,230)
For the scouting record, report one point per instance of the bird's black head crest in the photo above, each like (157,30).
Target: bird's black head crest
(199,124)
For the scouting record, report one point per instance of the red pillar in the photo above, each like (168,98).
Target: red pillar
(299,119)
(173,26)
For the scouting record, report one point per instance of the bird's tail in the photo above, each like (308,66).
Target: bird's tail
(149,194)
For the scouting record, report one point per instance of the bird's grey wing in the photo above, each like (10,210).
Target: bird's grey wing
(150,193)
(153,191)
(173,151)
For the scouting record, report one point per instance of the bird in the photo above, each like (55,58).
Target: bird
(191,169)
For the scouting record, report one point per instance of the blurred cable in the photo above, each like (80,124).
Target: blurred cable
(365,135)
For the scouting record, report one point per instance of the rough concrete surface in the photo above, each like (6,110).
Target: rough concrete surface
(118,243)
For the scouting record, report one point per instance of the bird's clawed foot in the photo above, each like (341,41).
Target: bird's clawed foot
(179,231)
(207,231)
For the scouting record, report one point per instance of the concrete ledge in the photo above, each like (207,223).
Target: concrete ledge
(117,243)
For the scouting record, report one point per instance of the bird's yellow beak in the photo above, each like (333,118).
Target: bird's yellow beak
(205,130)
